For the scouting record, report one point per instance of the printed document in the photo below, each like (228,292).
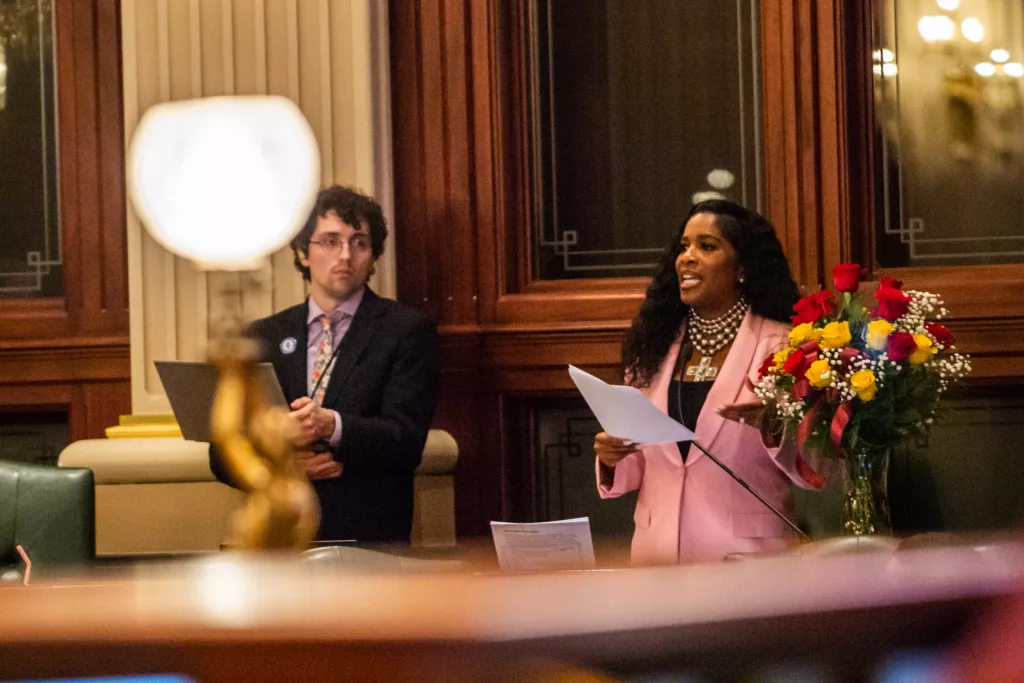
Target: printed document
(564,544)
(625,413)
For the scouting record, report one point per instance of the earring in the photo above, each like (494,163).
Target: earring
(742,279)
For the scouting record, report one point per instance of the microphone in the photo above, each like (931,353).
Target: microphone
(685,351)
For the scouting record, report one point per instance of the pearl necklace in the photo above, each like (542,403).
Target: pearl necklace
(711,336)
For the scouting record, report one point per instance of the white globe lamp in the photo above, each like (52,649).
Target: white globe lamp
(224,181)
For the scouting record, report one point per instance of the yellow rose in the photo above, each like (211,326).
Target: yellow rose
(878,334)
(819,374)
(801,334)
(925,349)
(863,382)
(835,335)
(779,359)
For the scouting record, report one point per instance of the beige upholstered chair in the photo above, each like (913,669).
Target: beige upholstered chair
(157,496)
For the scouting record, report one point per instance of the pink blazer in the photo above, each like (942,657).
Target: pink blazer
(695,511)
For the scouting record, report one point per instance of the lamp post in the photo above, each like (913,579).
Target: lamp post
(225,182)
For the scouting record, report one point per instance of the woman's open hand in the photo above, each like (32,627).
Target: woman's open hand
(610,450)
(753,414)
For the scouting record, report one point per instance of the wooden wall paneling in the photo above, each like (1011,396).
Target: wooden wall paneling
(489,167)
(93,220)
(38,397)
(42,361)
(790,128)
(858,101)
(456,241)
(518,229)
(435,153)
(91,407)
(84,293)
(832,130)
(111,196)
(410,192)
(519,499)
(103,404)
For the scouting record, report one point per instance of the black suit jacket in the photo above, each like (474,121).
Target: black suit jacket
(384,385)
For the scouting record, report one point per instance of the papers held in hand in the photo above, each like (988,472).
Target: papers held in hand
(544,546)
(625,413)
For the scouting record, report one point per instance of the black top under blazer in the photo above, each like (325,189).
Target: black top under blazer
(384,385)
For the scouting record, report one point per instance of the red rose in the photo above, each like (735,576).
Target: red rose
(901,345)
(941,334)
(765,367)
(814,307)
(846,277)
(891,283)
(796,364)
(892,303)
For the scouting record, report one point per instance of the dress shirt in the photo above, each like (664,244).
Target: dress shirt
(341,320)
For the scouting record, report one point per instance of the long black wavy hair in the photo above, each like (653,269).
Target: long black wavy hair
(767,286)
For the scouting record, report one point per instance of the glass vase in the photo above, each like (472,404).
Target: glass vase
(866,493)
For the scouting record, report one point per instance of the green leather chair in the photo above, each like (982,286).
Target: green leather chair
(49,511)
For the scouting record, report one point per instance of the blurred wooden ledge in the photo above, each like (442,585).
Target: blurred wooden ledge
(235,617)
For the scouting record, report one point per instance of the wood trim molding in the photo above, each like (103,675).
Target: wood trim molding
(86,360)
(806,158)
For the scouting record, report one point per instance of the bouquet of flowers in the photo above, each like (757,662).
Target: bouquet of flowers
(856,380)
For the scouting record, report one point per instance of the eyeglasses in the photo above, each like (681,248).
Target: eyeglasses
(331,243)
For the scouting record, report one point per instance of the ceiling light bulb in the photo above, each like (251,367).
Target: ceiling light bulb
(948,5)
(1014,69)
(972,29)
(1000,56)
(985,69)
(936,28)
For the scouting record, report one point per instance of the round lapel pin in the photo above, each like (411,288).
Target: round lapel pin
(288,345)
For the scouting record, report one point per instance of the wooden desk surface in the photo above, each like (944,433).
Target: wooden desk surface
(245,618)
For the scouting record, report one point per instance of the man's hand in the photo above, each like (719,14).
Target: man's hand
(313,421)
(318,465)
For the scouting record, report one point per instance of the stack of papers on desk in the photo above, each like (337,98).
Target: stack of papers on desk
(544,546)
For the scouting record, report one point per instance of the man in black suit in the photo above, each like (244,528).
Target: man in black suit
(360,373)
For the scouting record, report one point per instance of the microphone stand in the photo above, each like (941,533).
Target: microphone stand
(685,353)
(754,493)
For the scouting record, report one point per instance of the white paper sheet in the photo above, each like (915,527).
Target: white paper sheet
(624,412)
(563,544)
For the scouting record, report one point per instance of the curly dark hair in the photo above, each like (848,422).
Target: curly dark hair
(768,286)
(351,207)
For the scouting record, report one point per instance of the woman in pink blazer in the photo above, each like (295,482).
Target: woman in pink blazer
(718,305)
